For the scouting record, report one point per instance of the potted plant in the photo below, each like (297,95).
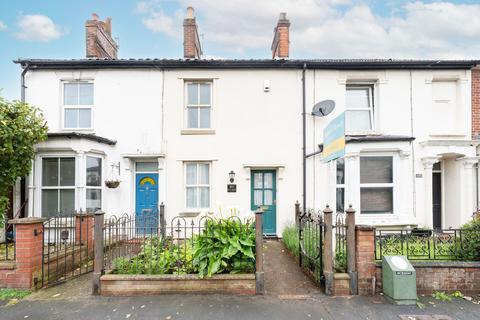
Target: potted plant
(113,182)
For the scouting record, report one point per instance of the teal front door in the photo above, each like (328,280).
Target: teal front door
(264,194)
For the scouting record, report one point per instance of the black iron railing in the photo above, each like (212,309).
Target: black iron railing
(340,250)
(7,246)
(311,237)
(428,244)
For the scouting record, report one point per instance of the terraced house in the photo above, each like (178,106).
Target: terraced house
(203,135)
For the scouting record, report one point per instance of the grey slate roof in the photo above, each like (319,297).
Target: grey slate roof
(345,64)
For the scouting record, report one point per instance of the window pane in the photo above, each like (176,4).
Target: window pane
(258,180)
(205,93)
(71,118)
(94,171)
(204,173)
(437,166)
(257,198)
(67,171)
(94,200)
(192,117)
(376,200)
(50,171)
(376,169)
(204,117)
(357,98)
(340,171)
(192,94)
(358,120)
(86,94)
(340,199)
(84,118)
(268,180)
(191,174)
(49,203)
(67,202)
(204,197)
(70,93)
(191,197)
(268,197)
(147,166)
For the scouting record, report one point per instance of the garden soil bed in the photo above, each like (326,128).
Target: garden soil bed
(135,285)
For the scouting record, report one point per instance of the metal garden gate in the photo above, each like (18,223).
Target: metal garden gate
(311,229)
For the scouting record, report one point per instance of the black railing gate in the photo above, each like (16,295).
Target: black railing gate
(311,229)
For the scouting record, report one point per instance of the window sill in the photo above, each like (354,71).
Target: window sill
(192,214)
(197,131)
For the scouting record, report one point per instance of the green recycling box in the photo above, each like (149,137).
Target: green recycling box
(399,280)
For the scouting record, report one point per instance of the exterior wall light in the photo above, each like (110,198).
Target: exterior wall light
(231,174)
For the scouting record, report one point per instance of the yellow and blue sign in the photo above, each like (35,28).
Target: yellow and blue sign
(334,139)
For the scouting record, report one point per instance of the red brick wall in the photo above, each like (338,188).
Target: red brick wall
(99,41)
(365,258)
(476,104)
(281,40)
(438,276)
(191,45)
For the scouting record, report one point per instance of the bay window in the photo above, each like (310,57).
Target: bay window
(197,185)
(93,184)
(58,186)
(376,184)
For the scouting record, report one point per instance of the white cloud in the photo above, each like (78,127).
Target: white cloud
(36,27)
(330,28)
(3,26)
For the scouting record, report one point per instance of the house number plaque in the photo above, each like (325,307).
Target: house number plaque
(231,188)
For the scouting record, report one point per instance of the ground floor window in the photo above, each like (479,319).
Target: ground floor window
(340,185)
(197,185)
(58,186)
(376,184)
(94,184)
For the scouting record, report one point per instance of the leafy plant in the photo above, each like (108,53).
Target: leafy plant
(442,296)
(340,263)
(290,239)
(21,127)
(6,294)
(224,246)
(468,246)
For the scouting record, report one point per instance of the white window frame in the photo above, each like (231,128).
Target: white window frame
(340,185)
(187,105)
(197,185)
(58,187)
(371,101)
(87,187)
(66,107)
(377,185)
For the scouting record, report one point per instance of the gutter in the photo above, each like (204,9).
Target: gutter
(304,142)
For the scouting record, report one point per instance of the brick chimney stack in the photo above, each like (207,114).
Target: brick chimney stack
(281,38)
(100,43)
(191,42)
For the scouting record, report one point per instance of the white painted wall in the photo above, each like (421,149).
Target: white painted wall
(143,110)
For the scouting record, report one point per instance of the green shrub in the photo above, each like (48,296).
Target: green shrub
(290,239)
(224,246)
(340,263)
(468,245)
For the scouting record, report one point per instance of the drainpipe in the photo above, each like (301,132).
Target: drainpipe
(304,145)
(22,82)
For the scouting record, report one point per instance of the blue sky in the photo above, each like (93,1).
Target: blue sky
(241,29)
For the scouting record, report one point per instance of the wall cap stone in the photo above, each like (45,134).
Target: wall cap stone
(341,276)
(27,220)
(179,277)
(440,264)
(7,265)
(362,227)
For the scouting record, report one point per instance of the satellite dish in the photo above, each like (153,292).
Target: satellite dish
(323,108)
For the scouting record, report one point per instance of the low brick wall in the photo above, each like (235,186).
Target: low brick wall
(442,276)
(134,285)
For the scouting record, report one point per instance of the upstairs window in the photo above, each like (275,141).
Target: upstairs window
(376,184)
(359,108)
(444,95)
(199,105)
(77,105)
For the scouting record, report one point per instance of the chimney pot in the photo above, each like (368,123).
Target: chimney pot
(191,41)
(281,38)
(99,41)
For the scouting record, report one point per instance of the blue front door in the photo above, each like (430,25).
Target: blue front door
(264,194)
(146,202)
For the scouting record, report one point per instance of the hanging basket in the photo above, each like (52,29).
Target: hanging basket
(112,184)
